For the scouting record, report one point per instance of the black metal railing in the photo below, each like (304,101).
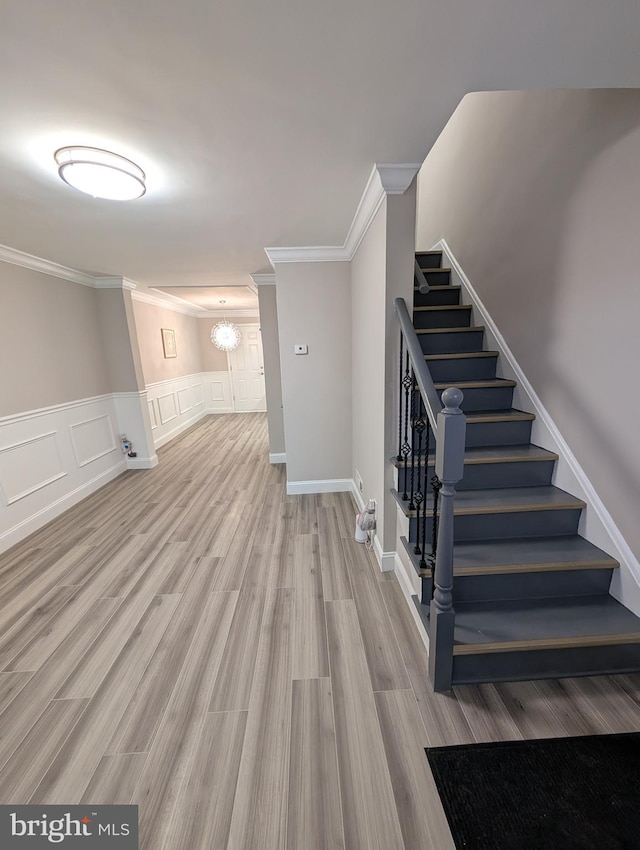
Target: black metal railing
(431,438)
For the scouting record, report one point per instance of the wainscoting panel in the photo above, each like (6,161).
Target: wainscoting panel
(92,439)
(29,465)
(184,400)
(217,392)
(175,405)
(167,406)
(52,458)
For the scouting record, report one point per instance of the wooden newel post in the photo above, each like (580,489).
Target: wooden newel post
(450,441)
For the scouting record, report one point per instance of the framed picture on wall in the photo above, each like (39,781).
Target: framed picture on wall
(169,342)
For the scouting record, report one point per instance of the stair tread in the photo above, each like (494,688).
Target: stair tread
(461,355)
(479,384)
(475,501)
(507,500)
(499,454)
(546,623)
(439,287)
(527,553)
(523,555)
(472,329)
(508,415)
(433,308)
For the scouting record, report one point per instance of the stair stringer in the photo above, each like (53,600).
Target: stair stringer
(596,524)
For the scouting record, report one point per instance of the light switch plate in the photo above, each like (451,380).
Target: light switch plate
(300,349)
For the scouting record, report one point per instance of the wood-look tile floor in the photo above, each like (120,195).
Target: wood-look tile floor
(193,640)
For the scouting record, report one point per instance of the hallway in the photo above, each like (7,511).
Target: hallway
(193,640)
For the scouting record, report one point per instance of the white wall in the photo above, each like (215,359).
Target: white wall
(272,372)
(368,297)
(538,196)
(314,307)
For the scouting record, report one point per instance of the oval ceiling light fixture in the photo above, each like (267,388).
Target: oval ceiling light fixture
(225,336)
(100,173)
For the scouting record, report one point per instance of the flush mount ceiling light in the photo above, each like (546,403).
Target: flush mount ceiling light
(100,173)
(225,336)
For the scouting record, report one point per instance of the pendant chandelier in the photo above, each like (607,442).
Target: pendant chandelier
(225,336)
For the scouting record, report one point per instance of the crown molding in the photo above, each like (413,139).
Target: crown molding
(385,179)
(397,177)
(38,264)
(221,314)
(114,283)
(264,279)
(147,298)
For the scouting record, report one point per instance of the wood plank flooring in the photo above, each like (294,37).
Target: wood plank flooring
(193,640)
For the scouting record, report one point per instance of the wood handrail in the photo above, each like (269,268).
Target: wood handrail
(421,371)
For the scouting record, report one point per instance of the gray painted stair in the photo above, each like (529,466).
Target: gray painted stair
(496,466)
(531,595)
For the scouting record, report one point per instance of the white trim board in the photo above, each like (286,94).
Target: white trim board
(325,485)
(277,457)
(384,179)
(52,459)
(32,523)
(597,525)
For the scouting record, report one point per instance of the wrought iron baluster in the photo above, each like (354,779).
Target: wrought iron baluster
(414,392)
(399,455)
(407,383)
(420,494)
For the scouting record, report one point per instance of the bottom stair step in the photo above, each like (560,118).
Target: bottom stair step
(529,639)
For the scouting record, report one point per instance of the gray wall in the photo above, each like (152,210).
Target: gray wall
(538,196)
(149,320)
(314,307)
(272,374)
(51,341)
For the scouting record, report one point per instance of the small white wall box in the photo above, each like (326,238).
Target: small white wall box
(300,349)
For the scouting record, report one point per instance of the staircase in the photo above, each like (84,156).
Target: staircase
(531,596)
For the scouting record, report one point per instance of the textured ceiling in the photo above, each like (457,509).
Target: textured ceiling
(257,123)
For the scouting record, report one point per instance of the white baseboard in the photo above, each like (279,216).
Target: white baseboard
(51,458)
(174,432)
(32,523)
(409,594)
(326,485)
(142,462)
(386,560)
(597,525)
(277,457)
(214,410)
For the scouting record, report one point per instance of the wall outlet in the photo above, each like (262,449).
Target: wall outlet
(359,483)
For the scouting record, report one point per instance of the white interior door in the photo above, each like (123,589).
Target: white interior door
(247,371)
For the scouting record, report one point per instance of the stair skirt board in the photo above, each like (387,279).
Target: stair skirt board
(531,596)
(598,525)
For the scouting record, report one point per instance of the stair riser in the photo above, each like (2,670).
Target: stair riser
(485,476)
(508,525)
(429,261)
(546,664)
(451,343)
(525,585)
(498,433)
(485,398)
(442,318)
(436,297)
(463,369)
